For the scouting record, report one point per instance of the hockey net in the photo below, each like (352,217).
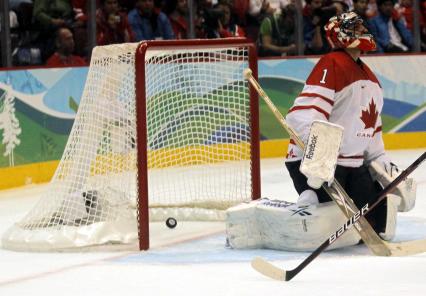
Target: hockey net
(169,126)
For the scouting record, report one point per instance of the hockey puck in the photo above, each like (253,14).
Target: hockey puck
(171,222)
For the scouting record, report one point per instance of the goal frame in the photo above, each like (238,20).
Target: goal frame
(141,119)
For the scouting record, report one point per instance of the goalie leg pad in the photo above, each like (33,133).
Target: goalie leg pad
(282,225)
(242,228)
(406,190)
(393,201)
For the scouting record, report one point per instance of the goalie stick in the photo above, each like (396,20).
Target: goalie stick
(269,270)
(372,240)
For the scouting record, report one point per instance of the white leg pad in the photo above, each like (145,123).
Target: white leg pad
(393,201)
(286,226)
(242,228)
(406,190)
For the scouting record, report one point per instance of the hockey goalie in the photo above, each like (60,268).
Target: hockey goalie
(305,224)
(337,116)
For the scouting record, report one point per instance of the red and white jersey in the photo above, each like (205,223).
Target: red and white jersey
(347,93)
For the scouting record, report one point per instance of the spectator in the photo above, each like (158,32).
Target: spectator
(80,11)
(24,52)
(222,25)
(202,18)
(112,25)
(360,8)
(313,36)
(49,15)
(405,9)
(177,10)
(316,14)
(277,33)
(372,9)
(24,13)
(260,7)
(52,14)
(63,56)
(79,26)
(277,5)
(331,8)
(149,24)
(239,10)
(13,20)
(13,26)
(258,10)
(390,31)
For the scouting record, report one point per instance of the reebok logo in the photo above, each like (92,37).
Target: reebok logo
(311,147)
(301,211)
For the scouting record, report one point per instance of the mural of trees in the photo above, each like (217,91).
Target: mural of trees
(9,123)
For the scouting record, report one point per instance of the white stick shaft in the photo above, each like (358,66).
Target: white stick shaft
(274,109)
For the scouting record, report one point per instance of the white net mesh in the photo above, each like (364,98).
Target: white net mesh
(198,126)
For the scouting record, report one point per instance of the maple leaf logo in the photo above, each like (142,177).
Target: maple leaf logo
(369,116)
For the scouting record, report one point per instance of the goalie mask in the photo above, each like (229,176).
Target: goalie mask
(347,31)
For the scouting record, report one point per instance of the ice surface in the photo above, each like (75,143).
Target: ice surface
(204,266)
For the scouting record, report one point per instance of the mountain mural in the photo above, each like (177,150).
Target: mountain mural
(22,81)
(409,93)
(297,69)
(397,108)
(70,85)
(42,103)
(30,131)
(416,124)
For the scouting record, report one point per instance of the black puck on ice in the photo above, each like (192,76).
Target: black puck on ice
(171,222)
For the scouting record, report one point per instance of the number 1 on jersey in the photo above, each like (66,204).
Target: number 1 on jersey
(323,76)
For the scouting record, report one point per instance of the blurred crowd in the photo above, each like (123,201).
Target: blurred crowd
(54,32)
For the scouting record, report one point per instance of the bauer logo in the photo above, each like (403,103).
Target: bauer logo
(348,224)
(311,147)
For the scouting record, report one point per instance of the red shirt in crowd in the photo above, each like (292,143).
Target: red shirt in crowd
(73,60)
(179,26)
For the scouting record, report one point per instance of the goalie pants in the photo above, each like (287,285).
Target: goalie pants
(357,182)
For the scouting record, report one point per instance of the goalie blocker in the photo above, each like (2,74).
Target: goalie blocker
(321,151)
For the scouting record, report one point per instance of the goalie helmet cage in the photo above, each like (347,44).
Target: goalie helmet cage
(164,129)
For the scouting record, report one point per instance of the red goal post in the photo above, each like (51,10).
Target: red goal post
(143,204)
